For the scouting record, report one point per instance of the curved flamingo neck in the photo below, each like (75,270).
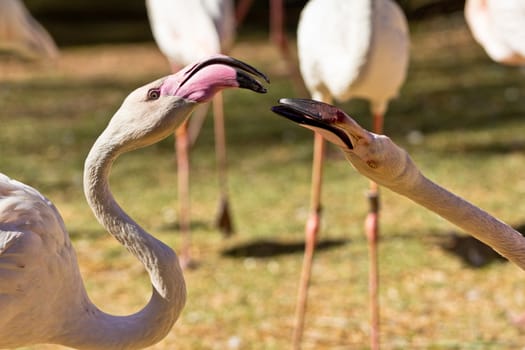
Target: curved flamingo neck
(480,224)
(94,329)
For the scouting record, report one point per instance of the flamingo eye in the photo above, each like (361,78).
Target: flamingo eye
(153,94)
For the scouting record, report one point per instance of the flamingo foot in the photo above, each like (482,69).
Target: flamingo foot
(224,221)
(518,320)
(188,263)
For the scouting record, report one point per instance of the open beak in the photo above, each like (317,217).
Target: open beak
(244,79)
(321,117)
(199,82)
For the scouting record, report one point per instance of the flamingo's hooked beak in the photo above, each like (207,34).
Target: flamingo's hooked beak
(326,119)
(245,80)
(199,82)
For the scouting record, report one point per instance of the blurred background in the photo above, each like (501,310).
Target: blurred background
(86,22)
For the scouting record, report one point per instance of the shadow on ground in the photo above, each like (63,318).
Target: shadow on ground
(472,252)
(266,248)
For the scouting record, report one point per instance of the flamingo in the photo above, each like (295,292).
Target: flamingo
(382,161)
(21,33)
(42,295)
(360,50)
(212,31)
(499,26)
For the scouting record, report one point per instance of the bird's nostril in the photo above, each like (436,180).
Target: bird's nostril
(372,164)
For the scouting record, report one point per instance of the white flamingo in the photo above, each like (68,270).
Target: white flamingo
(22,34)
(42,296)
(349,49)
(498,26)
(378,158)
(186,31)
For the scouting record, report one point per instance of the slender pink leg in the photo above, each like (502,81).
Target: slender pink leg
(243,6)
(224,220)
(183,186)
(183,177)
(279,38)
(277,13)
(311,232)
(372,234)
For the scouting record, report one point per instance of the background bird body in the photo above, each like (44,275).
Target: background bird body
(187,31)
(365,57)
(22,34)
(499,26)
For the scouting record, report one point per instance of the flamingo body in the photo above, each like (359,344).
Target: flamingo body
(360,50)
(187,31)
(499,26)
(36,259)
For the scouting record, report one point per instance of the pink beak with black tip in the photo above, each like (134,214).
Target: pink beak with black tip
(321,117)
(200,82)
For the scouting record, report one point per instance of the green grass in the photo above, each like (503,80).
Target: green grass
(469,110)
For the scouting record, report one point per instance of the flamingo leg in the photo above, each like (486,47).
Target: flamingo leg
(311,232)
(196,122)
(280,39)
(243,6)
(224,221)
(372,234)
(183,186)
(277,13)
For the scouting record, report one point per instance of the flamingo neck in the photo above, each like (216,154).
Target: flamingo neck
(480,224)
(94,329)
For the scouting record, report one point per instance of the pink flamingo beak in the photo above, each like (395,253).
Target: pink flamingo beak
(199,82)
(328,120)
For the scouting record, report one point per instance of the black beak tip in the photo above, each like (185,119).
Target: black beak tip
(246,81)
(276,108)
(305,112)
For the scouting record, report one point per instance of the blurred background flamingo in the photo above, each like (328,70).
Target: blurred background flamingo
(21,34)
(498,26)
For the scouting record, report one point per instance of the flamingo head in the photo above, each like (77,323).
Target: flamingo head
(321,117)
(155,110)
(374,156)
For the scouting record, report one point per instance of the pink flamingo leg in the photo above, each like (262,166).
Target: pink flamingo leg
(242,9)
(183,186)
(372,234)
(280,39)
(311,232)
(224,221)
